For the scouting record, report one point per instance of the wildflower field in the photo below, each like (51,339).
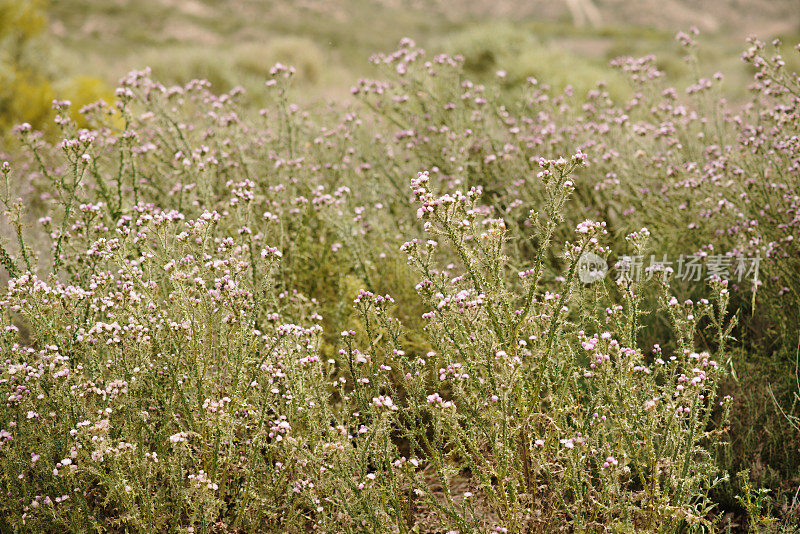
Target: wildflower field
(457,297)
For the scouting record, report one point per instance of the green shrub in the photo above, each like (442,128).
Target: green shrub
(230,322)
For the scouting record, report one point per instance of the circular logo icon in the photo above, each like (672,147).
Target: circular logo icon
(591,267)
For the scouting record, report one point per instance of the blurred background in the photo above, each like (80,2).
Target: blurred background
(78,49)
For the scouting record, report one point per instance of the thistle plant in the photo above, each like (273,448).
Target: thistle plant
(221,319)
(552,408)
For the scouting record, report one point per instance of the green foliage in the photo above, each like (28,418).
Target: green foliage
(27,88)
(230,321)
(21,21)
(244,64)
(493,47)
(81,91)
(25,92)
(754,501)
